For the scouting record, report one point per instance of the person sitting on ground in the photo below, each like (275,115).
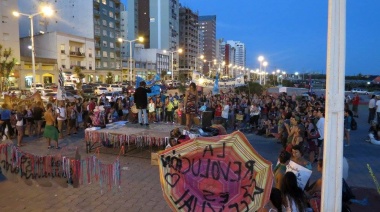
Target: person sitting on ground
(297,157)
(293,198)
(280,168)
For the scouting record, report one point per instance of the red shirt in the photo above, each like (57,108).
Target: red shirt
(218,111)
(355,101)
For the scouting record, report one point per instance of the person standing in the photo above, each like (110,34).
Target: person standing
(141,101)
(38,111)
(225,111)
(61,117)
(20,125)
(6,118)
(191,104)
(372,109)
(347,127)
(321,130)
(50,132)
(355,105)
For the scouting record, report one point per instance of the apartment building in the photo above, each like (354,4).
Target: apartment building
(67,50)
(92,19)
(207,25)
(9,33)
(189,60)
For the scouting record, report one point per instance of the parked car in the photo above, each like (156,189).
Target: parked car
(87,89)
(36,87)
(116,95)
(114,88)
(359,91)
(100,90)
(45,98)
(71,97)
(46,91)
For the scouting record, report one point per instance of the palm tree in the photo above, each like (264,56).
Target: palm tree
(80,75)
(6,65)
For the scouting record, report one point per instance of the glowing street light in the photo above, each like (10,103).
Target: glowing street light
(121,40)
(46,11)
(265,64)
(260,59)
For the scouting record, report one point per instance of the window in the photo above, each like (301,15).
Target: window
(111,14)
(104,22)
(63,63)
(111,24)
(104,43)
(4,19)
(112,64)
(111,35)
(104,32)
(105,54)
(112,55)
(104,2)
(111,45)
(104,11)
(62,48)
(5,36)
(105,64)
(111,4)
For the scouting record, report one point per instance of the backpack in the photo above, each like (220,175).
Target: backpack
(354,125)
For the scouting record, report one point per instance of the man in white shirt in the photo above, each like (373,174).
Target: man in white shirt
(321,130)
(225,111)
(61,117)
(371,109)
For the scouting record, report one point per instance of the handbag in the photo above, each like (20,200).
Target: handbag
(313,134)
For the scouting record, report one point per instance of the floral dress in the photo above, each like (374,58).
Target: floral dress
(191,107)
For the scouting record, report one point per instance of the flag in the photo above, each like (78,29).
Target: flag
(61,80)
(61,91)
(215,90)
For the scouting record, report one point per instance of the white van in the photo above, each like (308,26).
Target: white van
(36,87)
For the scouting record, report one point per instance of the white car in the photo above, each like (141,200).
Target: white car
(36,87)
(114,88)
(100,90)
(71,97)
(359,91)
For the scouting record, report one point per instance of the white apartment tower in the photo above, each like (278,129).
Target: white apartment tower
(9,31)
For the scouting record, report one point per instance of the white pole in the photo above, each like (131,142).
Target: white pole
(333,138)
(130,62)
(33,52)
(172,68)
(260,72)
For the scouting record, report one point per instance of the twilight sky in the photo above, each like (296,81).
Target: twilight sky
(292,34)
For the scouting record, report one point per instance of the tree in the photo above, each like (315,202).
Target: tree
(251,88)
(109,78)
(6,66)
(182,83)
(80,75)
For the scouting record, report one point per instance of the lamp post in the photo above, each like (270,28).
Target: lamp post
(47,11)
(265,64)
(121,40)
(172,54)
(260,59)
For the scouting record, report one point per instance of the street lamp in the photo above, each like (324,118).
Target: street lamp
(260,59)
(46,11)
(172,53)
(265,64)
(121,40)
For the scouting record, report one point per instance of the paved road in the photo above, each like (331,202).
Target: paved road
(140,187)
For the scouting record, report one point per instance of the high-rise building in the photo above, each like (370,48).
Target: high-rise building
(188,33)
(9,32)
(207,25)
(157,22)
(94,19)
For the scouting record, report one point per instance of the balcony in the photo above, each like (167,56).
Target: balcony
(97,45)
(96,2)
(89,55)
(77,54)
(98,57)
(97,33)
(117,10)
(62,51)
(96,13)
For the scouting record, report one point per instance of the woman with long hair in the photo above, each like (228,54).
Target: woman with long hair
(293,198)
(191,104)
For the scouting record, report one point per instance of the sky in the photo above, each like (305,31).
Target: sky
(292,34)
